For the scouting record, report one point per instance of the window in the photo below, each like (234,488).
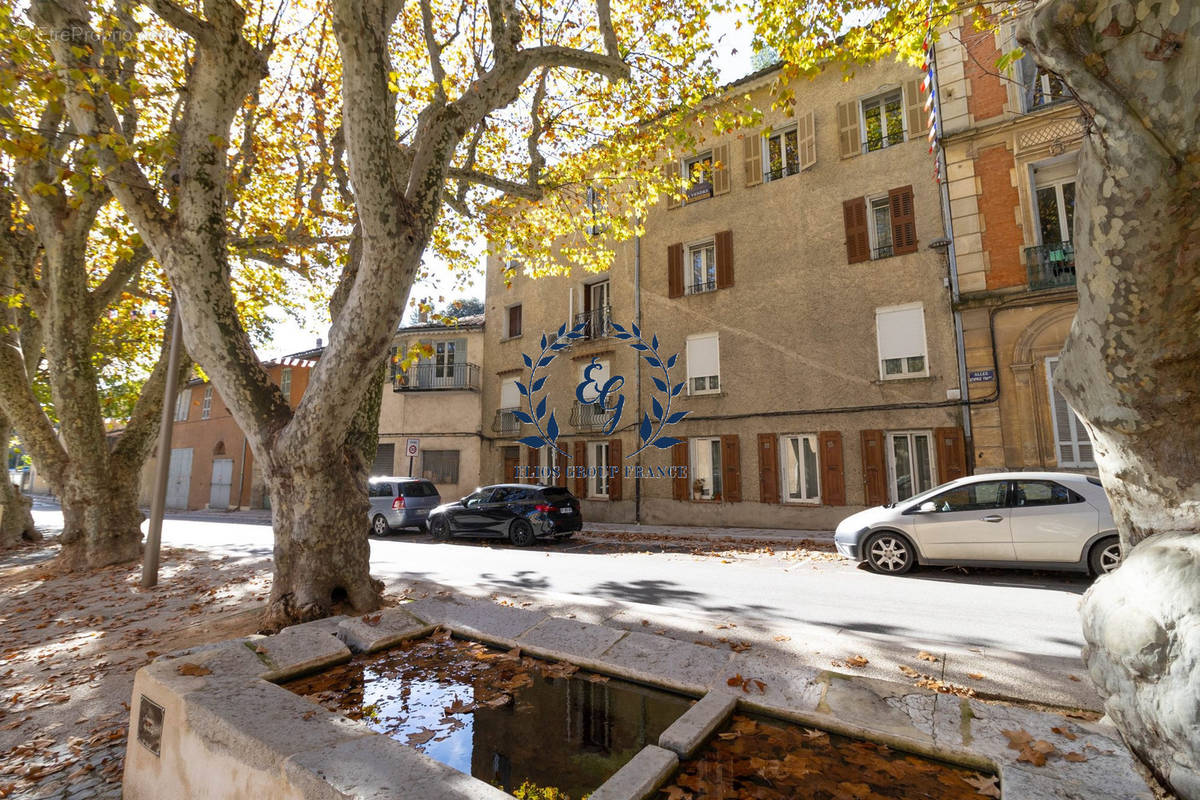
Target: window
(972,497)
(698,176)
(1054,196)
(881,226)
(443,360)
(514,321)
(181,405)
(379,489)
(285,383)
(439,466)
(910,463)
(883,120)
(1042,493)
(900,332)
(800,470)
(206,405)
(783,153)
(598,460)
(880,220)
(706,468)
(702,268)
(1072,444)
(703,363)
(510,395)
(596,314)
(1038,86)
(510,400)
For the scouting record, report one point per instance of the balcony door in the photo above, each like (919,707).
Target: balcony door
(910,462)
(596,309)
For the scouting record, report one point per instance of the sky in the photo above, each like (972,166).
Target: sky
(732,44)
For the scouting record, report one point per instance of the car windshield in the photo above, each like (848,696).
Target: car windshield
(418,489)
(556,494)
(917,499)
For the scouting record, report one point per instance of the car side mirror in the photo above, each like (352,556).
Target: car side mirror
(928,507)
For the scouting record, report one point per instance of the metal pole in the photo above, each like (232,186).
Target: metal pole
(159,501)
(410,466)
(637,315)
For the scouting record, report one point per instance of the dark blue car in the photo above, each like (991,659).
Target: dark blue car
(518,512)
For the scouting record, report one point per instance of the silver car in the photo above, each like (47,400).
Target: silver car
(1034,520)
(400,503)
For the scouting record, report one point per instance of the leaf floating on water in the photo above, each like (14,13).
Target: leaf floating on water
(421,737)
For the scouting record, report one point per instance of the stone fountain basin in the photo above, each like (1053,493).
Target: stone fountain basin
(211,722)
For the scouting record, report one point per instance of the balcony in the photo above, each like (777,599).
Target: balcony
(597,323)
(590,416)
(506,422)
(1050,266)
(437,377)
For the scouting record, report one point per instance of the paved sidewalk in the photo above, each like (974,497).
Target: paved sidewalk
(671,532)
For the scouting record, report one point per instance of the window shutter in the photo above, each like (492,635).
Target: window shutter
(514,321)
(731,469)
(673,172)
(721,169)
(914,109)
(675,270)
(768,468)
(874,472)
(858,240)
(752,158)
(533,459)
(833,469)
(849,138)
(904,220)
(560,461)
(580,489)
(679,461)
(806,134)
(614,460)
(724,259)
(951,454)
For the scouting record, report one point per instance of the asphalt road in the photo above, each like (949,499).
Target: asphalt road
(1002,633)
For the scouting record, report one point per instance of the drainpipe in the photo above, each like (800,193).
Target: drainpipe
(637,315)
(952,262)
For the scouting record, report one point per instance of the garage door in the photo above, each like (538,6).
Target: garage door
(385,459)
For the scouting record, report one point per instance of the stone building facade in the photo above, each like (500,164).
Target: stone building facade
(810,322)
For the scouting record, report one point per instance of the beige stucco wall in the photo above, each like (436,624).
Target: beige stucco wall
(797,328)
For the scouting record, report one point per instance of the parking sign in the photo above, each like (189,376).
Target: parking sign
(412,448)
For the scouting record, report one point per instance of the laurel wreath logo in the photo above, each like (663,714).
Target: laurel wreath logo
(653,422)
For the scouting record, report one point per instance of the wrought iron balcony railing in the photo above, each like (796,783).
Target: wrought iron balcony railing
(597,322)
(506,422)
(590,416)
(701,286)
(1050,265)
(434,377)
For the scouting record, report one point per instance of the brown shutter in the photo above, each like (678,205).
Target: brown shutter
(724,259)
(858,241)
(675,270)
(914,109)
(580,465)
(614,460)
(672,172)
(680,486)
(874,469)
(752,158)
(731,469)
(587,300)
(806,139)
(720,177)
(768,468)
(560,461)
(849,138)
(951,454)
(833,470)
(904,220)
(514,320)
(531,454)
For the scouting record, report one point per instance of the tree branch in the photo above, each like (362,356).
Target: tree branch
(117,278)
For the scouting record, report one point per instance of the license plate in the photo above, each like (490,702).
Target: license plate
(566,511)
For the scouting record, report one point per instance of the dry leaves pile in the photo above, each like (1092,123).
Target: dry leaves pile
(758,760)
(1038,751)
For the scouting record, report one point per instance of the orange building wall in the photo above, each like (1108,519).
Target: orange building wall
(988,92)
(998,204)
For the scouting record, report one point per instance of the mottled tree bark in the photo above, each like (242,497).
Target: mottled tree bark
(16,517)
(1131,364)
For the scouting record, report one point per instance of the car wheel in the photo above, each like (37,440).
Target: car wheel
(1105,556)
(440,527)
(890,554)
(380,525)
(520,533)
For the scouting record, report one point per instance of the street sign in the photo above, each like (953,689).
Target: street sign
(975,376)
(412,448)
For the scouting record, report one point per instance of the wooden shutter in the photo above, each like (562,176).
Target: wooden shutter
(849,138)
(672,171)
(614,460)
(768,468)
(560,462)
(680,488)
(858,240)
(951,453)
(580,465)
(833,469)
(675,270)
(904,220)
(914,109)
(514,321)
(806,139)
(731,469)
(720,177)
(724,260)
(752,158)
(533,457)
(874,468)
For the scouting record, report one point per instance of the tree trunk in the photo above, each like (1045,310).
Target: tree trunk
(16,516)
(1131,365)
(101,519)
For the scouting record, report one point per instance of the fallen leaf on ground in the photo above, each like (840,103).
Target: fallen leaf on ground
(1076,757)
(985,785)
(930,657)
(975,676)
(193,669)
(1017,739)
(1064,733)
(909,671)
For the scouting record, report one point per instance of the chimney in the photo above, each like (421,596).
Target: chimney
(320,343)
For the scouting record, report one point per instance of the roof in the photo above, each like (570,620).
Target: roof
(474,321)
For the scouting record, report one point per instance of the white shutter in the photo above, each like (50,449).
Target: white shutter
(901,331)
(703,356)
(1072,443)
(509,396)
